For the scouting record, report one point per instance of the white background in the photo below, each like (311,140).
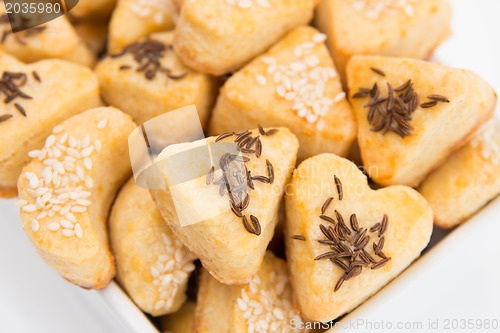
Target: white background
(35,299)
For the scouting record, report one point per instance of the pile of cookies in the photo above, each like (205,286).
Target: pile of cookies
(351,146)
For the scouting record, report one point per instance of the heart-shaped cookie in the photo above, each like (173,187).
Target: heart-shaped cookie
(66,191)
(35,98)
(345,241)
(413,114)
(227,218)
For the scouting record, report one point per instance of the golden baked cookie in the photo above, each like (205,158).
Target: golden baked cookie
(151,263)
(35,98)
(467,180)
(180,322)
(67,190)
(263,305)
(295,85)
(135,19)
(228,231)
(345,241)
(54,39)
(146,89)
(413,114)
(399,28)
(221,36)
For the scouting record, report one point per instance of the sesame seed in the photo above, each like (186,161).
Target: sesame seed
(35,225)
(97,145)
(51,139)
(68,232)
(89,182)
(319,38)
(66,224)
(78,209)
(29,208)
(102,123)
(34,153)
(340,96)
(54,226)
(20,203)
(245,3)
(78,230)
(57,129)
(260,79)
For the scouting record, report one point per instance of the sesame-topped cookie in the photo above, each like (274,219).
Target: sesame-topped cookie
(263,305)
(345,241)
(151,263)
(135,19)
(413,114)
(54,39)
(66,192)
(34,98)
(221,36)
(296,85)
(467,180)
(147,79)
(224,206)
(399,28)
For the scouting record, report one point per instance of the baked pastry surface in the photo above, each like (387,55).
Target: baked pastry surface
(227,239)
(294,84)
(396,28)
(467,180)
(54,39)
(263,305)
(448,106)
(151,263)
(217,46)
(51,91)
(135,19)
(321,287)
(66,193)
(153,91)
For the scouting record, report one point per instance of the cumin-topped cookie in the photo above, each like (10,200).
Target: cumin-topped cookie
(263,305)
(220,36)
(467,180)
(146,79)
(399,28)
(413,114)
(135,19)
(35,98)
(66,192)
(151,263)
(345,241)
(295,85)
(224,206)
(54,39)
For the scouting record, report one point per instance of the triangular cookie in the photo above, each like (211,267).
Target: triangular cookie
(345,241)
(54,39)
(229,234)
(48,92)
(263,305)
(402,28)
(66,192)
(295,85)
(467,180)
(432,111)
(147,79)
(206,42)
